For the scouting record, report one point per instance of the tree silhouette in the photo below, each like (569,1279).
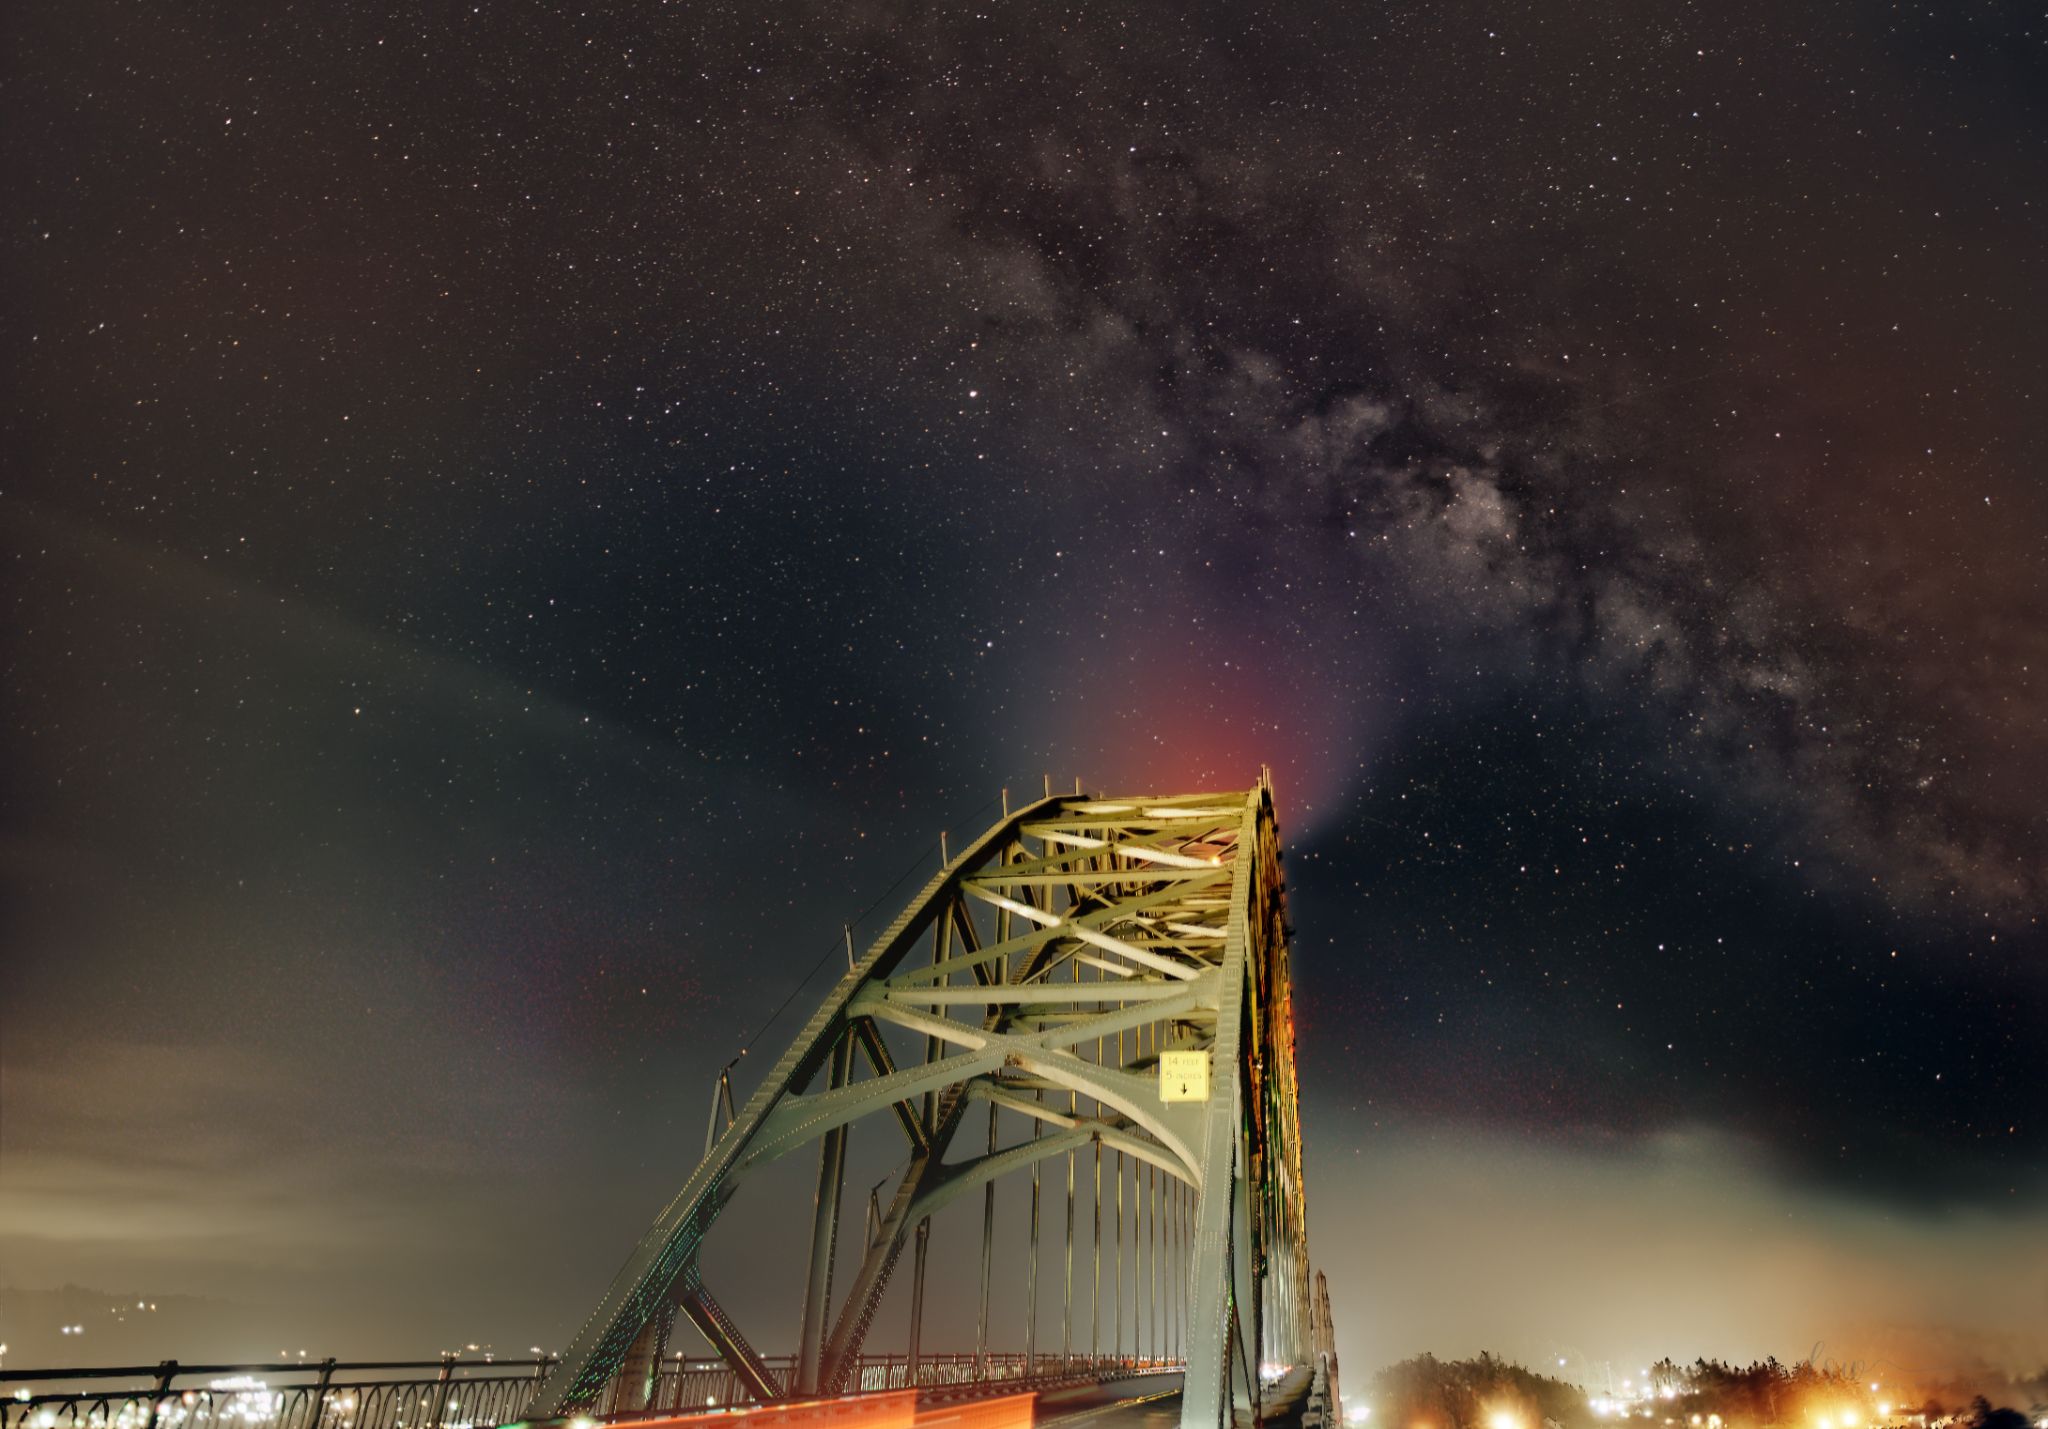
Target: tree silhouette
(1429,1393)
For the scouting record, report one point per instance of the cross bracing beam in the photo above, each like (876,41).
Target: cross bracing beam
(1038,979)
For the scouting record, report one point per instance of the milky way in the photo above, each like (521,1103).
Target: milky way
(1258,328)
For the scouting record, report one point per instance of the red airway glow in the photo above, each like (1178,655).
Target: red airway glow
(1187,721)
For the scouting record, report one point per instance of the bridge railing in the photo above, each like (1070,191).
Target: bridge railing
(452,1393)
(892,1371)
(448,1393)
(693,1385)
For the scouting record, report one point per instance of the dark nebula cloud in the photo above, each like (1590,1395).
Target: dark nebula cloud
(518,523)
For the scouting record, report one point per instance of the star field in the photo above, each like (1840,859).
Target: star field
(519,522)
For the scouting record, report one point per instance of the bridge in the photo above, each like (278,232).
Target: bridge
(1081,1028)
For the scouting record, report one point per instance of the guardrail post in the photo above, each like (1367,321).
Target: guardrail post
(165,1373)
(441,1394)
(320,1388)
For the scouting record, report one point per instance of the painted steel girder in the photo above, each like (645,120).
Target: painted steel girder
(651,1273)
(1174,907)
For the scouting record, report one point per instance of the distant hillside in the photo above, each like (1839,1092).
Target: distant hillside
(121,1329)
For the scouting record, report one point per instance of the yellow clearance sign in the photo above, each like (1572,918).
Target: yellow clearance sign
(1183,1076)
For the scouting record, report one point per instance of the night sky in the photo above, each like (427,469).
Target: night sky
(517,523)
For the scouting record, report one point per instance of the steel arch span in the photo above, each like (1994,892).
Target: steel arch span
(1108,979)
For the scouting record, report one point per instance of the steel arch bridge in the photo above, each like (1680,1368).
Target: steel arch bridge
(1104,978)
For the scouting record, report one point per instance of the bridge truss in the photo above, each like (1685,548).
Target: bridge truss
(1012,1023)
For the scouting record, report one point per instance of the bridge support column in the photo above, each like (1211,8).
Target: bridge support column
(640,1376)
(1031,1282)
(1205,1399)
(824,1232)
(1247,1310)
(988,1241)
(924,1243)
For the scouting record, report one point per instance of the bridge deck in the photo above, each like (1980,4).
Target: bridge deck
(1154,1402)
